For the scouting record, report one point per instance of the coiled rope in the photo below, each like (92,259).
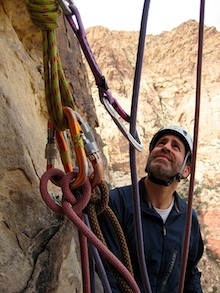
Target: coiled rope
(97,205)
(45,14)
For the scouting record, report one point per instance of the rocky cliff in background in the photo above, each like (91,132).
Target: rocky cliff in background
(167,96)
(40,250)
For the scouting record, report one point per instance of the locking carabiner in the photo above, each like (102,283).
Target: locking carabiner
(77,138)
(92,150)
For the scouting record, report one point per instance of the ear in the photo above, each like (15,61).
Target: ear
(186,172)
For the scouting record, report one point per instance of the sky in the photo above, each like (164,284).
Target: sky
(164,15)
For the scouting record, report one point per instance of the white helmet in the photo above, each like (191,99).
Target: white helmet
(175,130)
(186,139)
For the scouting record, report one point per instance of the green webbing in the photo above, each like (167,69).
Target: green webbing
(44,14)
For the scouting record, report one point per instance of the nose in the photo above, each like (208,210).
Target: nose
(167,146)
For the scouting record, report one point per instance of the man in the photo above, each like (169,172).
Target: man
(163,217)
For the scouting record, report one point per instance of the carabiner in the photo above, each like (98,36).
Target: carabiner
(51,148)
(65,5)
(92,150)
(97,174)
(56,138)
(76,134)
(136,143)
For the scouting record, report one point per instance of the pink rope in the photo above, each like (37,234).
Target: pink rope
(73,208)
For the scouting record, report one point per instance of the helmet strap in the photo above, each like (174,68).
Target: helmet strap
(177,177)
(155,180)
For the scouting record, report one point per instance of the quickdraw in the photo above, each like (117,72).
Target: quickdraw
(110,103)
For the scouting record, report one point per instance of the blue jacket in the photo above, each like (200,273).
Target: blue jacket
(163,243)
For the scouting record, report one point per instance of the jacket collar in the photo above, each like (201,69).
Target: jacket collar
(179,204)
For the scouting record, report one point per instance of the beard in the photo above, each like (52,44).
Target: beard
(162,170)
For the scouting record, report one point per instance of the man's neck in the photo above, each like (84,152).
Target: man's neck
(160,196)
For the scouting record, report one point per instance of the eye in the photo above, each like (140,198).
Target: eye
(161,143)
(177,147)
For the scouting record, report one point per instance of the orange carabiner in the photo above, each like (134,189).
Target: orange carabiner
(91,150)
(77,137)
(97,175)
(56,139)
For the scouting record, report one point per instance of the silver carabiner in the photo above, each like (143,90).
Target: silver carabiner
(136,143)
(65,5)
(90,144)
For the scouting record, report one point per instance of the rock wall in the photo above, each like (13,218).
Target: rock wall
(39,250)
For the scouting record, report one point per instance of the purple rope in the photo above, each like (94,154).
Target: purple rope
(135,187)
(195,143)
(99,78)
(99,264)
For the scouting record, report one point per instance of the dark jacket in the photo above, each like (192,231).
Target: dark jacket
(163,243)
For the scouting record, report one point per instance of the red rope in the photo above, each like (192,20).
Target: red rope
(104,251)
(195,143)
(73,209)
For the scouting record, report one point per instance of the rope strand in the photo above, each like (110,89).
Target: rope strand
(195,143)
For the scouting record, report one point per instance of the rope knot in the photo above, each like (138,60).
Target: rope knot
(99,198)
(44,13)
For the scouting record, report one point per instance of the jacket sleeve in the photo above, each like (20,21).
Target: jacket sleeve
(192,278)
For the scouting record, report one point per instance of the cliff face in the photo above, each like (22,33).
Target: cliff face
(40,250)
(167,96)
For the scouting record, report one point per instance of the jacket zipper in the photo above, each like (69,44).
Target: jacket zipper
(164,231)
(173,260)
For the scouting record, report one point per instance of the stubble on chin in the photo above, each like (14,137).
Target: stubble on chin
(160,168)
